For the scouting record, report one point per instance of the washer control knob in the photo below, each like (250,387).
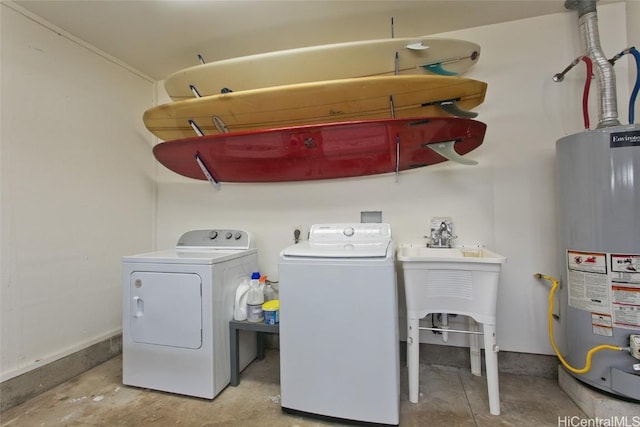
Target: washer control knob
(228,235)
(213,234)
(349,231)
(237,236)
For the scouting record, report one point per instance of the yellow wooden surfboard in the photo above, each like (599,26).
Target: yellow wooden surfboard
(418,55)
(312,103)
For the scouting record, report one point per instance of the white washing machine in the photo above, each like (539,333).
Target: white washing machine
(177,305)
(339,343)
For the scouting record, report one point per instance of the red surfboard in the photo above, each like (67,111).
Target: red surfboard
(323,151)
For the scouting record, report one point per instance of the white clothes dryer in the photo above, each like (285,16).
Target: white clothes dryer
(176,309)
(339,342)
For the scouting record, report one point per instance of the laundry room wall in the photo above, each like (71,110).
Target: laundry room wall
(506,202)
(633,37)
(77,190)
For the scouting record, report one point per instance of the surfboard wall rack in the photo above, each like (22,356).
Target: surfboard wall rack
(195,91)
(195,128)
(397,157)
(206,172)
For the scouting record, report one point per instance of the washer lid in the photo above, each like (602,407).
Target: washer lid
(351,240)
(308,249)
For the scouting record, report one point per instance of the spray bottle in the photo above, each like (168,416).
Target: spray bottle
(269,292)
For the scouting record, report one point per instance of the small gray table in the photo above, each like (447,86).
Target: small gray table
(235,326)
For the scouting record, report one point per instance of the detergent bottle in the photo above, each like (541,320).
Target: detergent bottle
(255,299)
(240,306)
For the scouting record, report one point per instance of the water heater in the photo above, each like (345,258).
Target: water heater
(598,190)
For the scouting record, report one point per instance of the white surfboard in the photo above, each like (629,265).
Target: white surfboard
(418,55)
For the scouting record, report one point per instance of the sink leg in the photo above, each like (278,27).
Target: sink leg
(491,364)
(413,356)
(444,324)
(474,349)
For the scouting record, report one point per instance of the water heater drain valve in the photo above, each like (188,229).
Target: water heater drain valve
(634,344)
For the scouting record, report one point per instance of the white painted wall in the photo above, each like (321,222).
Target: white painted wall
(78,181)
(77,191)
(633,39)
(506,202)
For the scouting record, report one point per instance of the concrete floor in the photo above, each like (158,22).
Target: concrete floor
(448,397)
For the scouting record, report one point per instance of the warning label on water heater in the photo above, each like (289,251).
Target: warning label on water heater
(588,281)
(625,290)
(626,268)
(601,324)
(608,284)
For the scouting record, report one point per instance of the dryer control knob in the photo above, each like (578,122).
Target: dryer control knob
(228,235)
(213,234)
(349,231)
(237,236)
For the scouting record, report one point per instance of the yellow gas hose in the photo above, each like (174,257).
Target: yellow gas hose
(587,365)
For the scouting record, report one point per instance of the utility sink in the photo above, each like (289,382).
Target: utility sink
(459,280)
(412,253)
(462,280)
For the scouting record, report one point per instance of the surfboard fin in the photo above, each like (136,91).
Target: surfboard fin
(416,46)
(437,69)
(445,149)
(452,108)
(219,124)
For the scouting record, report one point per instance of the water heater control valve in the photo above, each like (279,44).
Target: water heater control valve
(634,344)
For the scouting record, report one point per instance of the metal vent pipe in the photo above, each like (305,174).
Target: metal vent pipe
(588,26)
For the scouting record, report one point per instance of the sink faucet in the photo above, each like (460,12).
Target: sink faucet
(441,233)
